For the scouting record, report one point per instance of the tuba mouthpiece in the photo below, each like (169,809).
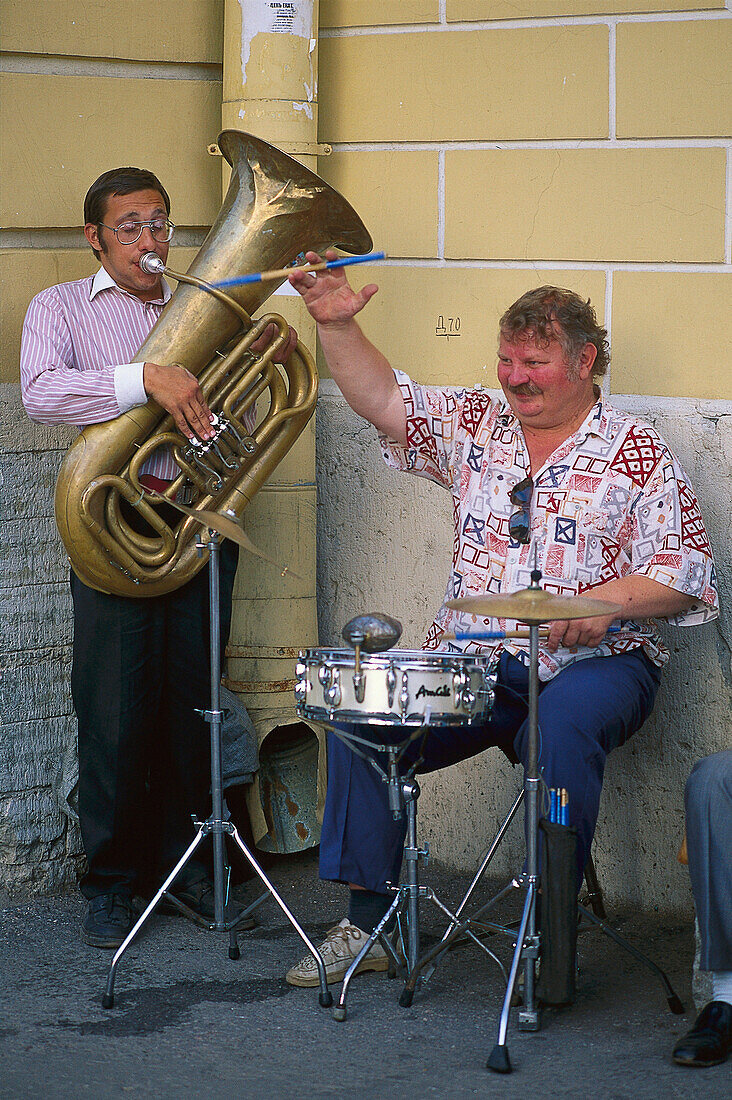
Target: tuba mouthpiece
(152,264)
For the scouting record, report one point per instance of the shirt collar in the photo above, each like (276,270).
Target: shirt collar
(597,421)
(104,281)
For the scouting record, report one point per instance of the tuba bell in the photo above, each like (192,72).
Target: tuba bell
(275,209)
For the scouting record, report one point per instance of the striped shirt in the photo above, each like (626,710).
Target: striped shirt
(77,355)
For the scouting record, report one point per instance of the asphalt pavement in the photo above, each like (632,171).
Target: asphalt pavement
(189,1022)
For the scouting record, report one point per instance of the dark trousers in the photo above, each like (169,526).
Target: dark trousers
(584,712)
(708,800)
(140,667)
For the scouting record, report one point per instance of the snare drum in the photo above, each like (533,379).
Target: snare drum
(397,687)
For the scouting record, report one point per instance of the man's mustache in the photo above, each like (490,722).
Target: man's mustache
(525,391)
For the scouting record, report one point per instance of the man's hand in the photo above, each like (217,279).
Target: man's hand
(575,632)
(638,597)
(329,297)
(177,391)
(283,353)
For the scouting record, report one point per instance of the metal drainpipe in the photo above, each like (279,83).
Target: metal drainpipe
(269,89)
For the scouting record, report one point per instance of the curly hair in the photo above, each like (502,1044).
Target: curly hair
(553,313)
(119,181)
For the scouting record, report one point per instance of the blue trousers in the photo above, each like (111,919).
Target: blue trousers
(708,800)
(586,711)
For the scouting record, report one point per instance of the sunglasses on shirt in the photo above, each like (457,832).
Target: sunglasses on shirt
(519,523)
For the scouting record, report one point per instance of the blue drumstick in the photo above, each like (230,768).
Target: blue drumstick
(496,635)
(283,272)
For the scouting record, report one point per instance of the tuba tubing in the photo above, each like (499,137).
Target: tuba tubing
(274,211)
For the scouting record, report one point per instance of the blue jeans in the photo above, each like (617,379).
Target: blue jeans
(585,712)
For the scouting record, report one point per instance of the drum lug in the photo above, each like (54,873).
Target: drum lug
(359,686)
(460,682)
(391,682)
(332,692)
(404,696)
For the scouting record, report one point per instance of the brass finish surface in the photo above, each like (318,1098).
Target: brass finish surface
(533,605)
(275,210)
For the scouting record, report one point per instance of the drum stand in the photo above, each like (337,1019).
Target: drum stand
(218,824)
(403,792)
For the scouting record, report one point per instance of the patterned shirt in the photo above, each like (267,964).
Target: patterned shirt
(609,502)
(76,358)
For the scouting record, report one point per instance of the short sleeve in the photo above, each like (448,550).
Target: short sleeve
(670,542)
(437,430)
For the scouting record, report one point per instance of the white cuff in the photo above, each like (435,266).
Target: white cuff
(128,386)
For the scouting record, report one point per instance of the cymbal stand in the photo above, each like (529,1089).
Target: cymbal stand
(527,939)
(218,825)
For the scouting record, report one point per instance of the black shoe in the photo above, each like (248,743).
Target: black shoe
(199,896)
(109,917)
(710,1040)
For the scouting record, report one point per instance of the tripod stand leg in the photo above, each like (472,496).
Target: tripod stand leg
(499,1061)
(234,952)
(108,998)
(326,997)
(411,855)
(339,1012)
(674,1002)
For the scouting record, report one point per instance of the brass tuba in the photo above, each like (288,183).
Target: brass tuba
(275,210)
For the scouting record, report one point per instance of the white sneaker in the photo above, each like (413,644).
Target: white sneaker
(339,948)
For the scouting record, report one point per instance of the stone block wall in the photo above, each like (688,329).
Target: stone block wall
(40,846)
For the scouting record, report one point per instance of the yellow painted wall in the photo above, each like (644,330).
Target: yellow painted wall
(58,133)
(537,9)
(465,85)
(168,30)
(90,85)
(585,142)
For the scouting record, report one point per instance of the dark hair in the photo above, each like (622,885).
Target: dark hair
(538,311)
(119,181)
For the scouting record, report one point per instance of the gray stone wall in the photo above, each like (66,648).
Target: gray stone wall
(384,544)
(40,848)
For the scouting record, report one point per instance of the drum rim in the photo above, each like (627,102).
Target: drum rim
(430,657)
(364,718)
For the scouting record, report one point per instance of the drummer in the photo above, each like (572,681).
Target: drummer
(551,477)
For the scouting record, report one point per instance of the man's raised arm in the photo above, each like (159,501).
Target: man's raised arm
(361,372)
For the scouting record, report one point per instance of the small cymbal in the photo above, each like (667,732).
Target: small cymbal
(227,526)
(532,605)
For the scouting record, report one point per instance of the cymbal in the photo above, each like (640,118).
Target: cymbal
(229,527)
(532,605)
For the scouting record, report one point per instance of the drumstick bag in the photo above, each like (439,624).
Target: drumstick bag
(556,983)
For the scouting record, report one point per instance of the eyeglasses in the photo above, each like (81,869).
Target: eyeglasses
(130,232)
(519,524)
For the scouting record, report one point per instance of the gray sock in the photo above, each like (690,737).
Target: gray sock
(722,985)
